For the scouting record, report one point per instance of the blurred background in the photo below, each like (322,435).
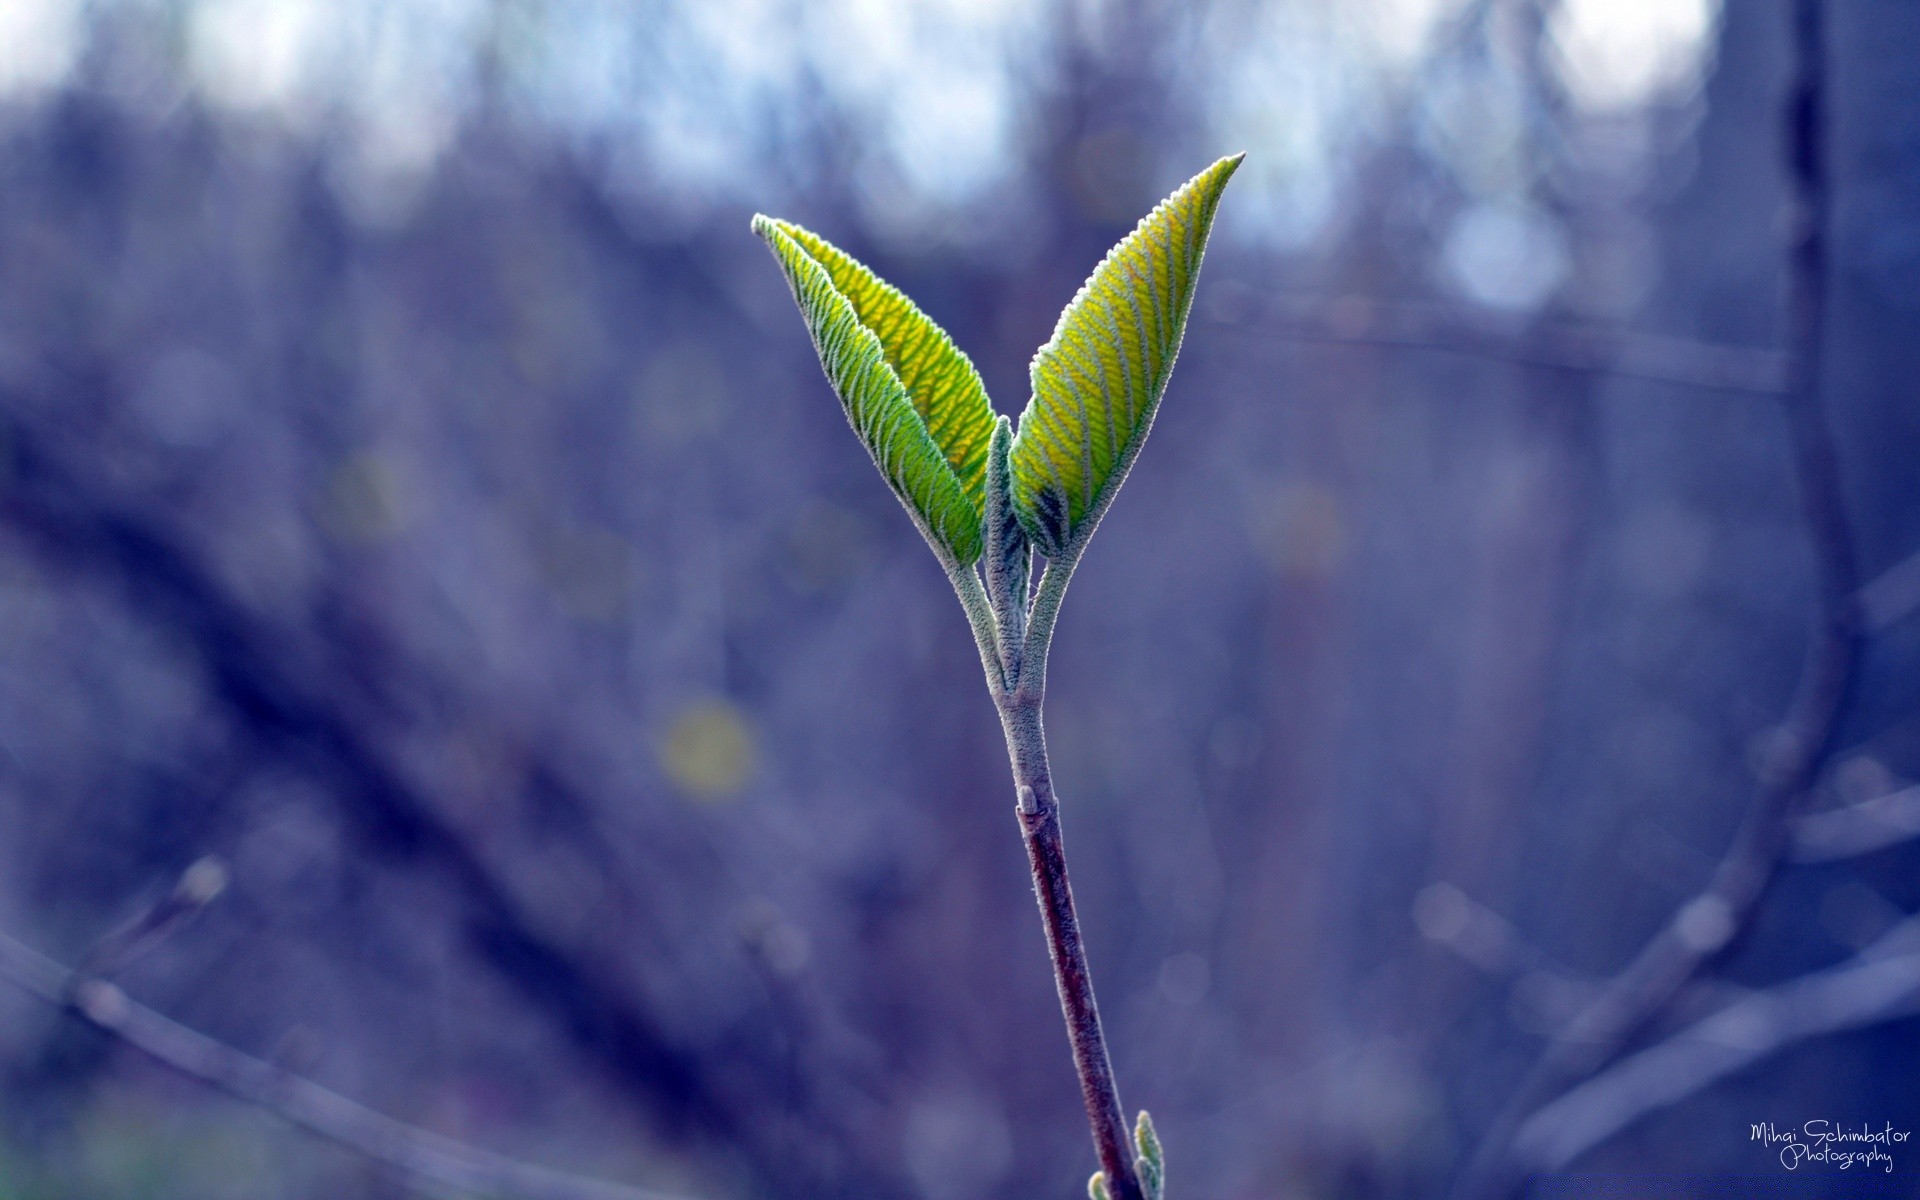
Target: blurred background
(417,490)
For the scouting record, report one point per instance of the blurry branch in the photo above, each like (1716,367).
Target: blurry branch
(1880,984)
(1706,924)
(46,499)
(1554,345)
(434,1163)
(1892,596)
(1543,994)
(1858,828)
(198,885)
(1478,936)
(1354,321)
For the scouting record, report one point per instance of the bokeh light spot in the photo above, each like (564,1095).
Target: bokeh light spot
(39,40)
(709,750)
(1506,256)
(1615,54)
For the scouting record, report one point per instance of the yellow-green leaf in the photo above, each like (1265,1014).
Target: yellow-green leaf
(940,380)
(1098,381)
(912,396)
(1151,1164)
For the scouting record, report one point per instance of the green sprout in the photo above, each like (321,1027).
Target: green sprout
(988,498)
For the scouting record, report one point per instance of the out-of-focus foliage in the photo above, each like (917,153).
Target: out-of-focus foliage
(610,787)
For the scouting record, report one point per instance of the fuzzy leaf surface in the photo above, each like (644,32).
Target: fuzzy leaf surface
(1151,1165)
(1097,383)
(912,396)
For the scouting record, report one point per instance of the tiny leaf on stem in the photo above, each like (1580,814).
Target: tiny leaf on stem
(1151,1166)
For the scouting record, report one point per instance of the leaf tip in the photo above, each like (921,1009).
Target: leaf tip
(1223,169)
(1214,179)
(1151,1163)
(772,230)
(1147,1139)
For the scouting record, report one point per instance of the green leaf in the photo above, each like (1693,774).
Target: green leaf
(1098,381)
(911,395)
(1097,1187)
(1151,1165)
(940,380)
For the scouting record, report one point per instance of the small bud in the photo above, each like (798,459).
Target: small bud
(101,1002)
(202,882)
(1149,1178)
(1705,924)
(1151,1165)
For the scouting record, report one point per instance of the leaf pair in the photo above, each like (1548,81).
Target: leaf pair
(920,408)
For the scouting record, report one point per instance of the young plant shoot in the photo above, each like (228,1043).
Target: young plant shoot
(988,497)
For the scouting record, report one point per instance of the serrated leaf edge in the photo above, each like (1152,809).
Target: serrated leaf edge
(1048,516)
(963,430)
(962,547)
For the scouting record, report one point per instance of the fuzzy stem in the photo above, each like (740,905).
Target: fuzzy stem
(1019,699)
(1047,595)
(986,636)
(1039,814)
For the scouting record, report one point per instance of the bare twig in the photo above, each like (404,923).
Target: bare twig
(1858,828)
(1542,994)
(1355,321)
(1705,925)
(196,888)
(1480,937)
(50,502)
(1041,830)
(1019,699)
(1879,984)
(431,1162)
(1893,595)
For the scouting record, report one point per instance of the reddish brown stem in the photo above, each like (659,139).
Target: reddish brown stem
(1039,814)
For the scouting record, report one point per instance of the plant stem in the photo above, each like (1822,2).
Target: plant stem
(1039,814)
(1018,685)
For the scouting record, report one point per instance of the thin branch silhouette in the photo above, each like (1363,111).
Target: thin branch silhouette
(1705,925)
(1561,346)
(1893,596)
(430,1161)
(1881,983)
(1857,829)
(50,501)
